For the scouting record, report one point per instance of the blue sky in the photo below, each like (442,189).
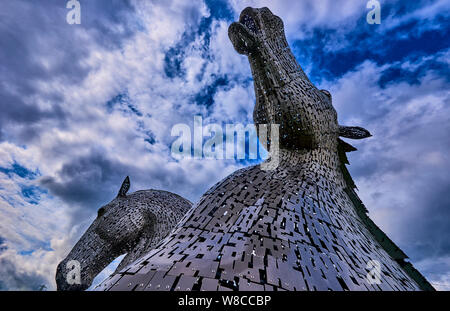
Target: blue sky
(85,105)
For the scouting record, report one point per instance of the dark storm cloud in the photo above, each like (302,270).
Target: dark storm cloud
(14,109)
(3,246)
(422,219)
(88,180)
(42,46)
(409,153)
(93,180)
(431,230)
(12,279)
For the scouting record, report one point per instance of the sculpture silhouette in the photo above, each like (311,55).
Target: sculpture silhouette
(300,226)
(130,224)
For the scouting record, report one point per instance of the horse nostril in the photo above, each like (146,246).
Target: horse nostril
(100,212)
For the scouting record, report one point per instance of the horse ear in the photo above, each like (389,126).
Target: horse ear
(328,94)
(124,188)
(353,132)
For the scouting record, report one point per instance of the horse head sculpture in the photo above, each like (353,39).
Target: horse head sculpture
(130,224)
(284,94)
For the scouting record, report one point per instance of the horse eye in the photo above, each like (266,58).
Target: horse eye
(100,212)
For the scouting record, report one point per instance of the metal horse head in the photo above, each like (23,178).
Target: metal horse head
(284,94)
(129,224)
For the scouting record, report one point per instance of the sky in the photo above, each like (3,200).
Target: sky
(83,106)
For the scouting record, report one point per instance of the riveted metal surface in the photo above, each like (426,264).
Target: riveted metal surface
(296,227)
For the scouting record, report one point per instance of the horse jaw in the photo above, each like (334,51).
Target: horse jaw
(93,255)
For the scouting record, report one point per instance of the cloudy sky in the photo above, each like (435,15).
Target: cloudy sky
(82,106)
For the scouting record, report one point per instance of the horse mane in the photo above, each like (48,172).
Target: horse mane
(386,243)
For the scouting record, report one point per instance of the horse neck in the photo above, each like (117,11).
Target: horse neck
(317,164)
